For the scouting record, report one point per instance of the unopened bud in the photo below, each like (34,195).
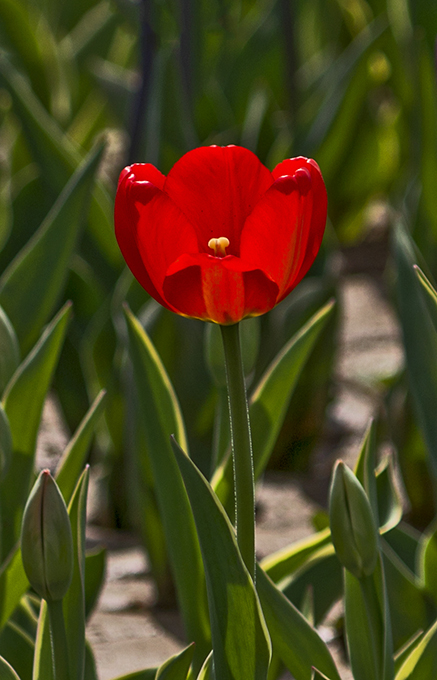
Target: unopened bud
(353,528)
(46,540)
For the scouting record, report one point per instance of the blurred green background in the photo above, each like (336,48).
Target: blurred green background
(348,82)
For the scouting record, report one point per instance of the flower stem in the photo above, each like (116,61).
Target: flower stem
(241,441)
(59,640)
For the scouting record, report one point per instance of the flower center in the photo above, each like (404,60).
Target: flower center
(219,245)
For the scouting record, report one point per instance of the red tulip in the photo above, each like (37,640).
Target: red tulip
(221,237)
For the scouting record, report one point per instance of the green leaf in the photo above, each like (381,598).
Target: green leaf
(57,156)
(6,671)
(365,467)
(17,647)
(390,509)
(431,294)
(20,33)
(268,404)
(319,676)
(74,457)
(13,585)
(43,662)
(90,664)
(207,670)
(293,638)
(421,664)
(177,667)
(147,674)
(9,351)
(33,283)
(240,639)
(405,541)
(428,146)
(402,654)
(408,604)
(162,418)
(420,340)
(95,568)
(286,561)
(427,561)
(23,403)
(5,442)
(321,575)
(368,626)
(74,601)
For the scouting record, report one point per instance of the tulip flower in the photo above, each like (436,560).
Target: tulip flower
(220,238)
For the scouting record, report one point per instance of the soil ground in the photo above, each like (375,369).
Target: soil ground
(127,631)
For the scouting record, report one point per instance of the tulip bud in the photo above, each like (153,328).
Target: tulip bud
(46,540)
(353,528)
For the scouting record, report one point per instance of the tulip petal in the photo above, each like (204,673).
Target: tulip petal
(284,232)
(151,231)
(144,172)
(163,234)
(216,188)
(126,218)
(218,289)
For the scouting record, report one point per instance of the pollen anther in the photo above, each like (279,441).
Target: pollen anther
(219,245)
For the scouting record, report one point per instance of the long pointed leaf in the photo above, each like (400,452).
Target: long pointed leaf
(9,351)
(33,283)
(284,562)
(420,340)
(177,667)
(74,457)
(6,671)
(74,601)
(23,404)
(162,418)
(421,664)
(57,156)
(293,638)
(240,640)
(268,404)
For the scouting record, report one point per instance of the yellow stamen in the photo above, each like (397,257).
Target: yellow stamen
(219,245)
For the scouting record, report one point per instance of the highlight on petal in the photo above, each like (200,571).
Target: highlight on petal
(126,219)
(217,188)
(218,289)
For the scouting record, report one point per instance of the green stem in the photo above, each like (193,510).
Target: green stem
(241,440)
(59,640)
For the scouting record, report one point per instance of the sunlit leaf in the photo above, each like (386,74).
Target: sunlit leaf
(293,638)
(420,340)
(9,351)
(73,458)
(6,671)
(240,640)
(286,561)
(32,284)
(269,402)
(177,667)
(17,647)
(421,664)
(23,402)
(162,417)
